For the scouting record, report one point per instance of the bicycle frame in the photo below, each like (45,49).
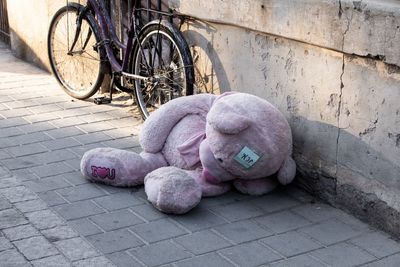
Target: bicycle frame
(109,36)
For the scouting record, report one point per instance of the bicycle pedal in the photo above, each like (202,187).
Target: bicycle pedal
(102,100)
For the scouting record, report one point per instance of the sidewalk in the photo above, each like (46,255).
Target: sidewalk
(51,216)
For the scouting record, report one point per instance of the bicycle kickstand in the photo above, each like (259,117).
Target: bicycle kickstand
(106,100)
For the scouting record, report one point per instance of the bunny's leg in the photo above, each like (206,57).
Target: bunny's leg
(119,167)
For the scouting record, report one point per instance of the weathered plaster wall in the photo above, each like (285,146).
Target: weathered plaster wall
(29,23)
(332,67)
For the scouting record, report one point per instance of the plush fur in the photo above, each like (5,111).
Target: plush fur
(201,145)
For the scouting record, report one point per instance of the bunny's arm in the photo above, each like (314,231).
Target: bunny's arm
(157,127)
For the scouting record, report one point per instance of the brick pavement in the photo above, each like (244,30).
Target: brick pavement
(51,216)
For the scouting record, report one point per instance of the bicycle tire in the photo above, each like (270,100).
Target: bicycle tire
(80,74)
(168,88)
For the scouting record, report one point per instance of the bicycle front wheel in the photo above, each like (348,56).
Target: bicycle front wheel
(163,57)
(80,72)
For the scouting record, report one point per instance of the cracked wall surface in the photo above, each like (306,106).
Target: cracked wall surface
(332,68)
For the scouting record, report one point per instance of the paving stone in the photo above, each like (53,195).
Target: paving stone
(118,201)
(80,150)
(96,127)
(391,261)
(211,259)
(282,222)
(116,220)
(343,254)
(52,261)
(29,138)
(202,242)
(250,254)
(44,219)
(148,212)
(159,253)
(13,122)
(123,122)
(61,143)
(21,104)
(76,249)
(274,202)
(158,230)
(85,227)
(78,210)
(122,259)
(19,163)
(317,212)
(52,198)
(291,243)
(331,232)
(10,218)
(92,138)
(116,240)
(378,244)
(59,233)
(81,192)
(17,194)
(120,132)
(9,182)
(242,231)
(96,117)
(4,204)
(238,211)
(52,99)
(199,219)
(64,132)
(35,247)
(25,150)
(122,143)
(7,132)
(74,163)
(36,127)
(74,178)
(55,156)
(32,205)
(5,244)
(4,155)
(299,261)
(51,169)
(20,232)
(97,261)
(46,184)
(113,189)
(73,103)
(44,108)
(12,258)
(12,113)
(354,222)
(61,123)
(298,193)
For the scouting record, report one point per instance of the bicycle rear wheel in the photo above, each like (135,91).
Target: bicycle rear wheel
(163,56)
(79,72)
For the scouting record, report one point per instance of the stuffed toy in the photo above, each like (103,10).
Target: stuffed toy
(201,145)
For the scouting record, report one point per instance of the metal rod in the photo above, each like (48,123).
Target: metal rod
(134,76)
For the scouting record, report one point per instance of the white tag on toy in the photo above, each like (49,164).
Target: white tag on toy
(246,157)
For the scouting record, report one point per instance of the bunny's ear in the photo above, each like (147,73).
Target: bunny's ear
(229,122)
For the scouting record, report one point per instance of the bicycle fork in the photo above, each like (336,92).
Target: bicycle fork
(78,31)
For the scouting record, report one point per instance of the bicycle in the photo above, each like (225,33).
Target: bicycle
(155,64)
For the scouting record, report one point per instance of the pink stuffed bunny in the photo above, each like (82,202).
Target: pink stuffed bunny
(198,146)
